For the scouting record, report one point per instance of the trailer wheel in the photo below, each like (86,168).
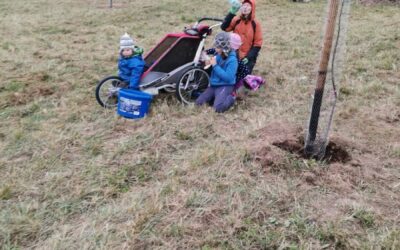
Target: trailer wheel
(107,91)
(191,84)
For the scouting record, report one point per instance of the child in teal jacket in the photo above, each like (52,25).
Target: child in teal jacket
(223,75)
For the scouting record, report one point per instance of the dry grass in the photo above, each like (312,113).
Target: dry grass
(76,176)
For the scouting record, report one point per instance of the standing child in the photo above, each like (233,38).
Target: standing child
(130,62)
(248,28)
(243,70)
(223,75)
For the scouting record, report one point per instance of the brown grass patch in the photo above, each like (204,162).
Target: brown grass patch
(78,176)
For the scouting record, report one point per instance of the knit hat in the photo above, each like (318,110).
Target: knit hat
(222,41)
(235,41)
(126,42)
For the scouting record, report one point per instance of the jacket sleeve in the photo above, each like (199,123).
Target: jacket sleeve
(258,41)
(227,24)
(136,67)
(228,75)
(258,36)
(253,53)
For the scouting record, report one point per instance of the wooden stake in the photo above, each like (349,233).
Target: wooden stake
(321,77)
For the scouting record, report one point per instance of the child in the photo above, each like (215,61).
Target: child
(223,75)
(247,27)
(243,70)
(130,62)
(235,42)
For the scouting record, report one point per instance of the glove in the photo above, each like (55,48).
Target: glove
(235,6)
(137,51)
(245,60)
(233,10)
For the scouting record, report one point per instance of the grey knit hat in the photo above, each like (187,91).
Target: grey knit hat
(126,42)
(222,41)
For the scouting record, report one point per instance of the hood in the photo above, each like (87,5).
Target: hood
(233,54)
(253,8)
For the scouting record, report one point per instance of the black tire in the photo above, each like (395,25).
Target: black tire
(191,84)
(107,91)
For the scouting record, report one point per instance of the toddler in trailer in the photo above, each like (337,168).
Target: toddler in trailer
(223,75)
(130,62)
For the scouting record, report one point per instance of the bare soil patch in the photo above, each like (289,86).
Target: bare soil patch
(335,151)
(289,138)
(280,148)
(347,172)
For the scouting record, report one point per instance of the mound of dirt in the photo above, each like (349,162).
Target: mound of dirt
(288,138)
(280,148)
(347,169)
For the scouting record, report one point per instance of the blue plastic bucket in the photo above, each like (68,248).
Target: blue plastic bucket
(133,104)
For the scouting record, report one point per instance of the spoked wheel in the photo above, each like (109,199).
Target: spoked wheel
(192,83)
(107,91)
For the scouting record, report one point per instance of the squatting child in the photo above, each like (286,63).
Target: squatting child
(223,75)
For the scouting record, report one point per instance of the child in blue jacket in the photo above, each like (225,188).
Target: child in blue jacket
(130,62)
(223,75)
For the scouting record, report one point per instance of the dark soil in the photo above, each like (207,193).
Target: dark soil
(335,150)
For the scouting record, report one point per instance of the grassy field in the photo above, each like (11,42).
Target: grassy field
(76,176)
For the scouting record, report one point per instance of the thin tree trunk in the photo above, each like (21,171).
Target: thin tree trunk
(321,77)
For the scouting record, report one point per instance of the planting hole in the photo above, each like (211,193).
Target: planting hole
(335,151)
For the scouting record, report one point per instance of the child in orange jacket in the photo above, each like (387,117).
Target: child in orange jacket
(248,28)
